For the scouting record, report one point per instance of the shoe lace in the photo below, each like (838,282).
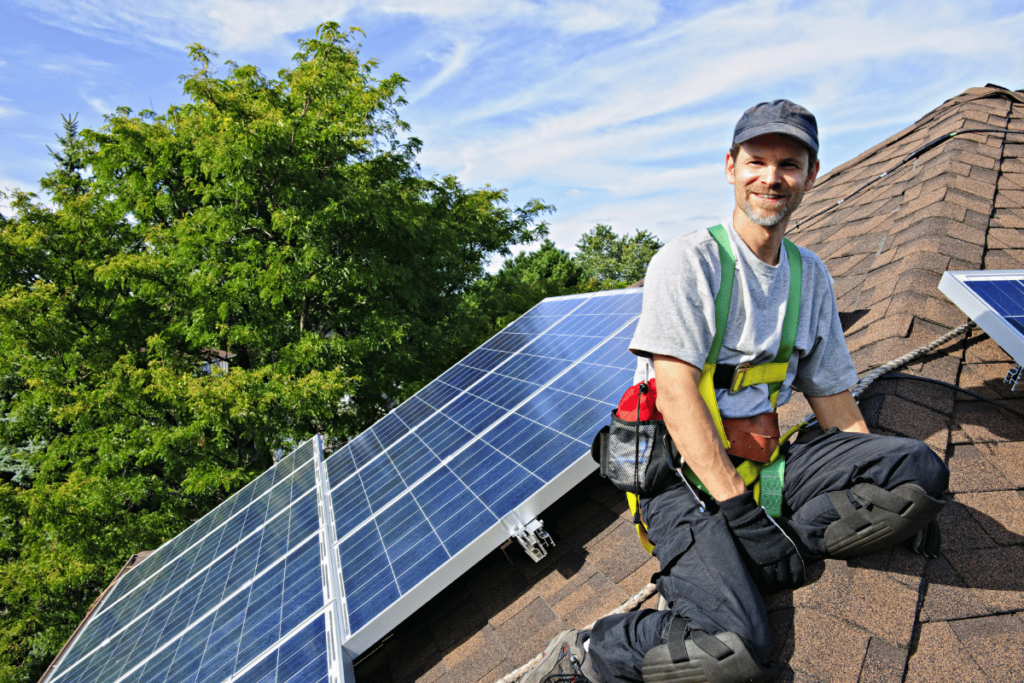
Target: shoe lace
(573,676)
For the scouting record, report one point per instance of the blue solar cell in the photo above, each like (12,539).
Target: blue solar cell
(535,369)
(509,491)
(452,509)
(560,460)
(1005,296)
(538,442)
(437,394)
(381,482)
(301,659)
(389,430)
(412,458)
(412,412)
(364,448)
(535,459)
(426,557)
(460,376)
(340,465)
(502,391)
(486,360)
(442,435)
(350,505)
(473,414)
(506,431)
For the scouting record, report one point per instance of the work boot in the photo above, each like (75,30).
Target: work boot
(562,660)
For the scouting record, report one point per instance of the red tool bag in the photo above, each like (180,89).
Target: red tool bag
(633,451)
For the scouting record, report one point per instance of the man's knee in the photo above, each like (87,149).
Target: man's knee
(927,469)
(695,656)
(872,519)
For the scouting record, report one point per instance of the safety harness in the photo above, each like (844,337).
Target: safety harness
(765,477)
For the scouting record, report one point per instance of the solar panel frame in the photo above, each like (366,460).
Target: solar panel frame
(1001,317)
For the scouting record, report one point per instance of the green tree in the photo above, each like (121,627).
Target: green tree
(608,261)
(524,280)
(281,221)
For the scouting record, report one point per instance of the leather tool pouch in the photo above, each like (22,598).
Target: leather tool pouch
(753,438)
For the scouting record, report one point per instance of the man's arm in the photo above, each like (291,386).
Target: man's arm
(692,430)
(838,410)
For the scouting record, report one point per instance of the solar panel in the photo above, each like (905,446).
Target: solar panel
(314,561)
(995,300)
(437,484)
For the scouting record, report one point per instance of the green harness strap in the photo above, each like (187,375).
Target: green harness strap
(766,479)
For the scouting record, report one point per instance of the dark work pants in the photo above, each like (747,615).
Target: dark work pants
(702,576)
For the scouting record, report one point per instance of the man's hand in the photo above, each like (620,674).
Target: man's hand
(772,558)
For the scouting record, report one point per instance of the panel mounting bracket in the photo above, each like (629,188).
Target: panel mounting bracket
(1013,376)
(532,536)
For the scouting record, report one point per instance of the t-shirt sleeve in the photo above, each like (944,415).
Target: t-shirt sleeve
(827,369)
(679,303)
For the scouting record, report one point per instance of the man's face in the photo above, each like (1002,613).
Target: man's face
(770,175)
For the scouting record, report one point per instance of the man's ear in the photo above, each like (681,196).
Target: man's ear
(812,175)
(730,169)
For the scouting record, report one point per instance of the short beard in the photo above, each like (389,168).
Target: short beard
(765,221)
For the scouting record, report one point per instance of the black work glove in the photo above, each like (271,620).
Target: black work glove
(772,558)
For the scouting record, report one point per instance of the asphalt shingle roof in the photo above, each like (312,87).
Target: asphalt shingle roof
(890,616)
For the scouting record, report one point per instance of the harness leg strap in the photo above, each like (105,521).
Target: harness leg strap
(887,518)
(692,656)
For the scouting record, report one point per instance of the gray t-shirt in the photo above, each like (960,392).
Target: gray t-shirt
(678,319)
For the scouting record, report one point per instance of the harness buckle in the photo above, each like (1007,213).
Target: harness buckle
(738,376)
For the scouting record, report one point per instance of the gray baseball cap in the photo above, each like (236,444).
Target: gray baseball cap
(778,116)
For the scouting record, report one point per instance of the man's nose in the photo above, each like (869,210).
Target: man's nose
(770,175)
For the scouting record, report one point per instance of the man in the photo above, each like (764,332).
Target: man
(845,491)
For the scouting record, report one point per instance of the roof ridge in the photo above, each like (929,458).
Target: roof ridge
(974,94)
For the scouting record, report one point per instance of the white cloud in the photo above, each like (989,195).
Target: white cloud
(604,15)
(98,104)
(622,109)
(75,64)
(452,62)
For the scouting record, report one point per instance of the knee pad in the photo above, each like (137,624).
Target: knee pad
(703,658)
(887,518)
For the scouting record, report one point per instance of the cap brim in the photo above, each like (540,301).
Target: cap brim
(779,128)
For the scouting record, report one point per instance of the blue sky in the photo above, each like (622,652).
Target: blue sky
(615,111)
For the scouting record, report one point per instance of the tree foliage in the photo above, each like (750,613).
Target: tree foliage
(280,222)
(497,299)
(608,260)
